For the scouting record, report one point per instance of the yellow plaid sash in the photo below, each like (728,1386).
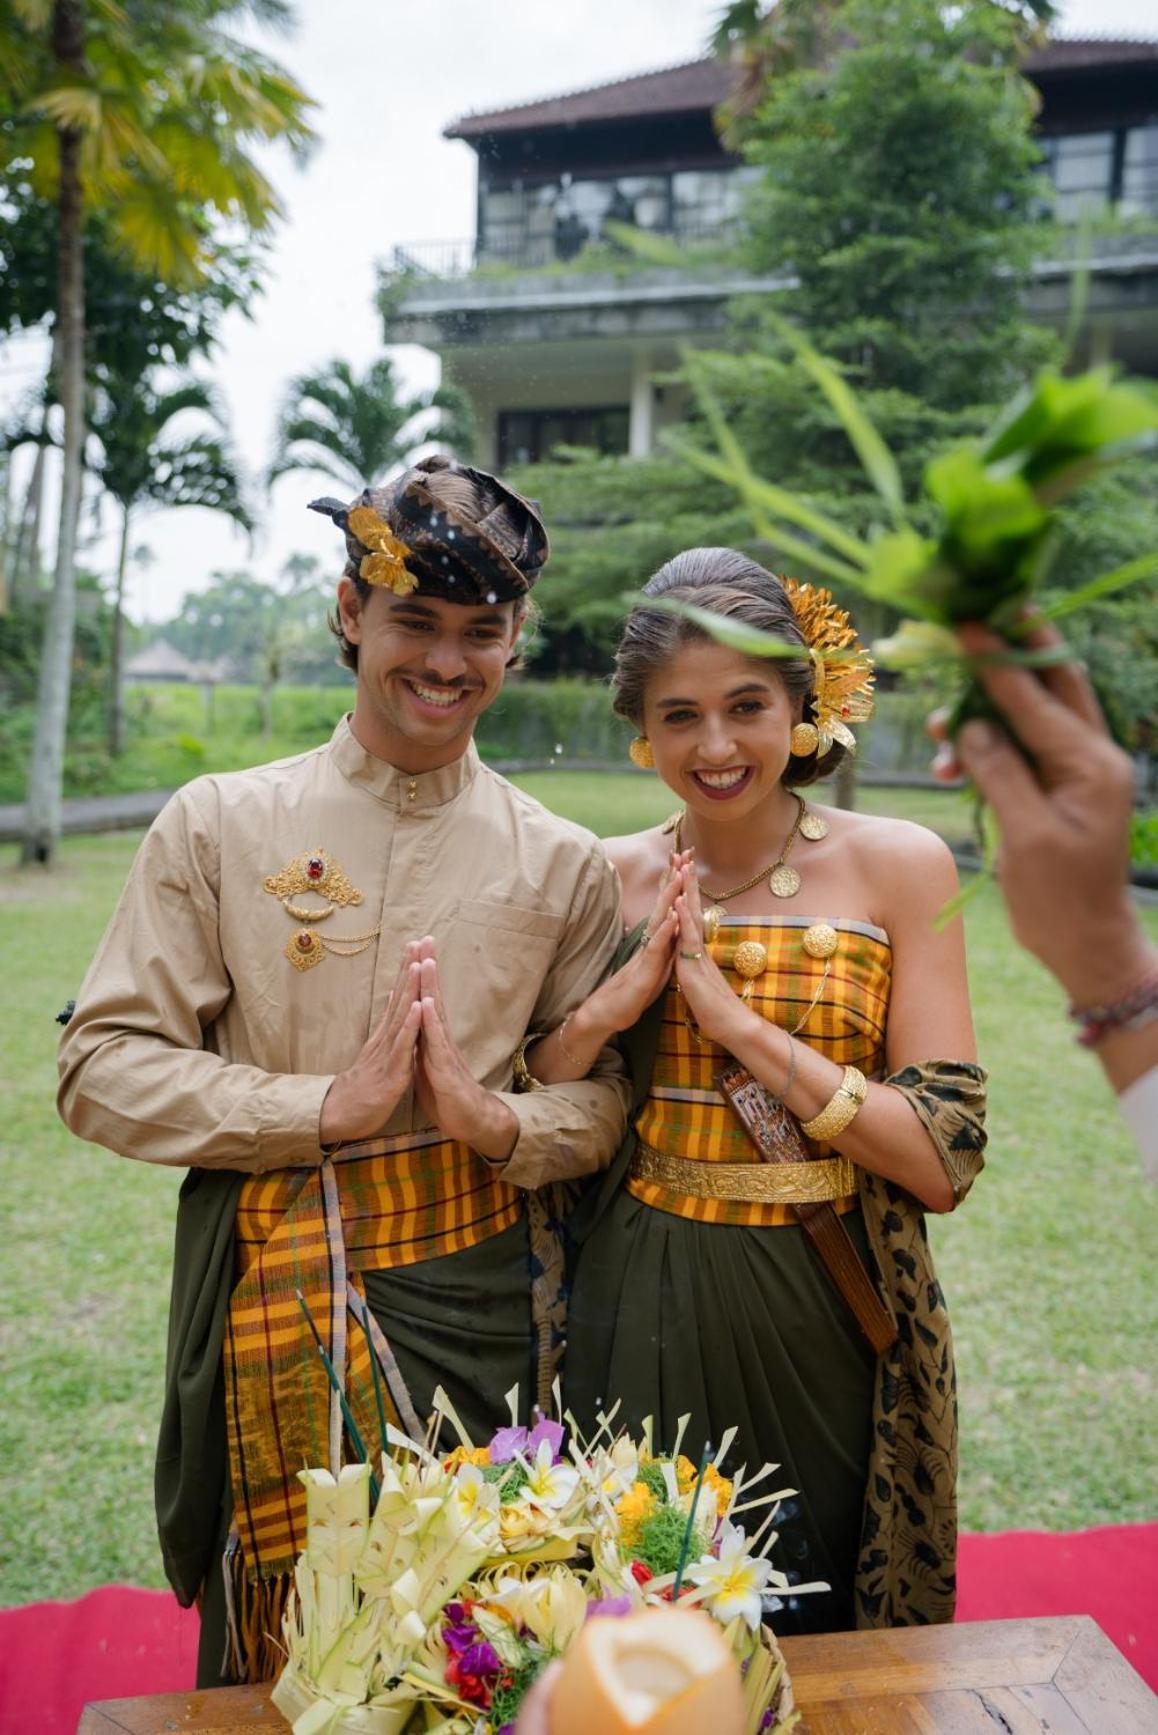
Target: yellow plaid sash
(686,1116)
(386,1203)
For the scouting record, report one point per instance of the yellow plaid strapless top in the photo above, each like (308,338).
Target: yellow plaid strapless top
(685,1115)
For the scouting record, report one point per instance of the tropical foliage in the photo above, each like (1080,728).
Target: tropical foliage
(151,117)
(355,428)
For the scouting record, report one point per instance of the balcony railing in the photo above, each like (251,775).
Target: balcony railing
(517,250)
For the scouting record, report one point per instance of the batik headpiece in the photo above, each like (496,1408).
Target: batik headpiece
(405,538)
(842,686)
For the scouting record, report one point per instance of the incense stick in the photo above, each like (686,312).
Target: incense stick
(686,1545)
(347,1414)
(365,1322)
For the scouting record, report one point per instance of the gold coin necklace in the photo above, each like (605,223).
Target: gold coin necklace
(750,959)
(783,880)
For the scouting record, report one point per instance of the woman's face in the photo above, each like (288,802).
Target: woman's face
(720,727)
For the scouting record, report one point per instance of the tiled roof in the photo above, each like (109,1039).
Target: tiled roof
(694,86)
(703,84)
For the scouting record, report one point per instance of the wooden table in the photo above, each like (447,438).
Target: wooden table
(983,1678)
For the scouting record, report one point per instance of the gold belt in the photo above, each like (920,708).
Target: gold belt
(815,1182)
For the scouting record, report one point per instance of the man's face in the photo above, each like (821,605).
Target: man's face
(426,670)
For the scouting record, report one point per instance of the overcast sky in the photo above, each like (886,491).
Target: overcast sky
(387,78)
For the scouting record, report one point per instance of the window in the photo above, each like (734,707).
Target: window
(530,436)
(1081,167)
(535,225)
(1139,196)
(1094,172)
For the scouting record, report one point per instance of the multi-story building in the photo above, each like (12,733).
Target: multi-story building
(557,341)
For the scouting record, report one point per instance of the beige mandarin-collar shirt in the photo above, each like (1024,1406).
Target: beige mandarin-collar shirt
(196,1042)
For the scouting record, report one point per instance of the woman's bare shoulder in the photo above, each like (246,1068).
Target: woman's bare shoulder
(638,858)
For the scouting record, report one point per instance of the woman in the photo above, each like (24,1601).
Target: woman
(715,1277)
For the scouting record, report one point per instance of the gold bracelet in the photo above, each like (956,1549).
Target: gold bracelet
(563,1049)
(841,1109)
(524,1078)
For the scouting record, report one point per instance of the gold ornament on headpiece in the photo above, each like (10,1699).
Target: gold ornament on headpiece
(385,564)
(841,686)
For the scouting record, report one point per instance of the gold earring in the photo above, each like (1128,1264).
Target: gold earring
(805,740)
(640,753)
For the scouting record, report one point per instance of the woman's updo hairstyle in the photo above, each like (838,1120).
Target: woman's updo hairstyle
(728,583)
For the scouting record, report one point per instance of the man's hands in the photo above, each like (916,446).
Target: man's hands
(411,1049)
(361,1100)
(448,1094)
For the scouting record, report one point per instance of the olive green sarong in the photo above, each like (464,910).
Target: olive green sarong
(463,1322)
(738,1327)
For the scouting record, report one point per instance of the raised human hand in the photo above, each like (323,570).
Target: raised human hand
(1063,817)
(361,1100)
(448,1093)
(621,1001)
(718,1012)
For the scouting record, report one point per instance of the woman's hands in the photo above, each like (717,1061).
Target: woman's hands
(622,1000)
(617,1004)
(718,1011)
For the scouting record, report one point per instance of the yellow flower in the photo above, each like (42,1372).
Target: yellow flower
(519,1524)
(480,1456)
(686,1473)
(720,1486)
(388,570)
(632,1509)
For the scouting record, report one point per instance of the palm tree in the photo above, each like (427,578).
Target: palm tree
(149,114)
(141,465)
(355,428)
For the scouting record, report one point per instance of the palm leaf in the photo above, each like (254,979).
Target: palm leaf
(756,489)
(736,634)
(879,464)
(793,546)
(1121,578)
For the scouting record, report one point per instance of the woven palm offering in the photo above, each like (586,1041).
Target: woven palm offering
(435,1587)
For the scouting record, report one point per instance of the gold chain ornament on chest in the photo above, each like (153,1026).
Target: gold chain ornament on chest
(316,871)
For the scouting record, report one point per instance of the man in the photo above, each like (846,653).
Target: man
(313,994)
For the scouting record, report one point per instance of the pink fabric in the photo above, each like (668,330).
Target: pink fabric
(1110,1573)
(116,1643)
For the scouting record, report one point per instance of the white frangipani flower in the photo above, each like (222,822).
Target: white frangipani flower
(474,1498)
(549,1485)
(734,1580)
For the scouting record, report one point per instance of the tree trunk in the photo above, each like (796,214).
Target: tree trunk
(46,771)
(26,555)
(7,538)
(846,782)
(117,656)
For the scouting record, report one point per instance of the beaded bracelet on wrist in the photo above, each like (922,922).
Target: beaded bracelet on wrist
(1131,1012)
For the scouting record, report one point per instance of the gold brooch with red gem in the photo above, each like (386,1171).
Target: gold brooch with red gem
(316,871)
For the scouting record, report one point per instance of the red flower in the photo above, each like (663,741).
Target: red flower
(641,1572)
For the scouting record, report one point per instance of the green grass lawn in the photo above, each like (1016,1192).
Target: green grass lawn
(1048,1267)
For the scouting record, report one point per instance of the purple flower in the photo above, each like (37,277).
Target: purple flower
(480,1659)
(609,1605)
(506,1443)
(458,1630)
(546,1430)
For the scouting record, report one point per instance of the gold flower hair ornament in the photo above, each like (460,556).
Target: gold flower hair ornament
(841,685)
(385,564)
